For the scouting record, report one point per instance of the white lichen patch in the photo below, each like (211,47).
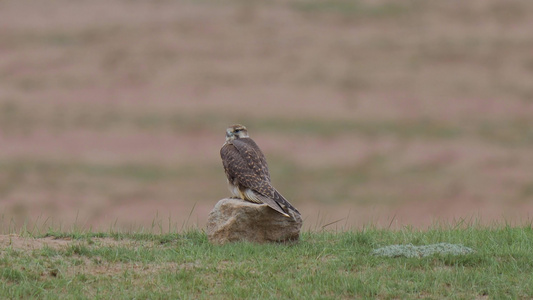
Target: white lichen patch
(411,250)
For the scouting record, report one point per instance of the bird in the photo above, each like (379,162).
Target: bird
(247,171)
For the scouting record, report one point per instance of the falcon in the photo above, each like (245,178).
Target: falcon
(247,171)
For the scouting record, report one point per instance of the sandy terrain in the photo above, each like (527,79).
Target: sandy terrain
(369,112)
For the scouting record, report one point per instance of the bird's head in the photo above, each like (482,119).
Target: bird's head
(236,131)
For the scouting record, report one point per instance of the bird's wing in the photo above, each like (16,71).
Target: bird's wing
(231,159)
(278,203)
(245,166)
(256,161)
(254,156)
(275,205)
(281,200)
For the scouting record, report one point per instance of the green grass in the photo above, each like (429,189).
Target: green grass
(322,265)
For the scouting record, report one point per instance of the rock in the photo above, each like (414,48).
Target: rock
(233,220)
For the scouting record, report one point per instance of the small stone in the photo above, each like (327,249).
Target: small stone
(233,220)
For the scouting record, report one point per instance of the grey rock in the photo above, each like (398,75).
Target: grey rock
(233,220)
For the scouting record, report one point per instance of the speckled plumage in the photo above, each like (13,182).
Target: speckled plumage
(247,171)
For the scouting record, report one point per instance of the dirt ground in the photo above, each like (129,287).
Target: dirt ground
(389,113)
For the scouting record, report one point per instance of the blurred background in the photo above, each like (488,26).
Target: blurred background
(390,113)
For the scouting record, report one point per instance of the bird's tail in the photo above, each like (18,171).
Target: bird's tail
(286,204)
(274,205)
